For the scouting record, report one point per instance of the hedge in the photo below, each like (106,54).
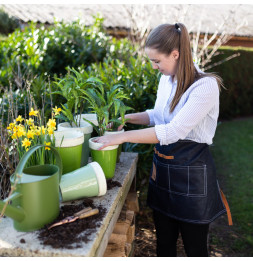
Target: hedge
(237,99)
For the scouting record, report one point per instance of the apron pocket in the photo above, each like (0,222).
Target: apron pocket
(181,180)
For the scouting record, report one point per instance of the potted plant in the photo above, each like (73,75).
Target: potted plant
(70,88)
(25,133)
(118,120)
(103,103)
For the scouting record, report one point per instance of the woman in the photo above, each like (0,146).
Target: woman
(183,190)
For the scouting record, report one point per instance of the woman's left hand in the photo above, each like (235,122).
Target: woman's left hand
(109,140)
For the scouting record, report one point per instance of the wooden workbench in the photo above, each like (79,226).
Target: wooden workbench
(113,201)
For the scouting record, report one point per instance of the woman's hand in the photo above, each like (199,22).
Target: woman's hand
(109,140)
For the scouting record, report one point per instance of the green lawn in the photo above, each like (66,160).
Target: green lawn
(233,154)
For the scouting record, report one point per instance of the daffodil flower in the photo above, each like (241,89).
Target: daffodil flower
(47,143)
(20,131)
(19,118)
(41,130)
(26,143)
(29,121)
(56,110)
(33,112)
(51,124)
(50,131)
(11,126)
(30,134)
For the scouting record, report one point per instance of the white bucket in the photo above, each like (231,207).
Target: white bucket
(92,117)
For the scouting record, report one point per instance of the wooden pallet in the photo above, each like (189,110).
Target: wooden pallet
(120,243)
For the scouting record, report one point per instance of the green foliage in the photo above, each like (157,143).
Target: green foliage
(137,77)
(49,51)
(71,87)
(7,24)
(236,101)
(106,104)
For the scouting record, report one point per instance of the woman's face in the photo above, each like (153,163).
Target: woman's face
(166,64)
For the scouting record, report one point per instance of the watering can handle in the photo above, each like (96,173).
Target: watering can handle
(27,155)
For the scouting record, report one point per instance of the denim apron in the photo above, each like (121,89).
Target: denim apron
(183,184)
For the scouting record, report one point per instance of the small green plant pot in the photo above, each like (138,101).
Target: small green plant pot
(88,181)
(120,146)
(106,158)
(69,144)
(86,129)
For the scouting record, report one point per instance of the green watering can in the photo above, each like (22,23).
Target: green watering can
(36,199)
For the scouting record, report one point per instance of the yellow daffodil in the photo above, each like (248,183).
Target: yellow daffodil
(30,134)
(56,110)
(51,124)
(50,131)
(33,112)
(11,126)
(26,143)
(41,130)
(19,118)
(14,135)
(30,122)
(47,143)
(20,131)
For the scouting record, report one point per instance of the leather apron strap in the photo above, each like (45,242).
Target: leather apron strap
(230,222)
(162,155)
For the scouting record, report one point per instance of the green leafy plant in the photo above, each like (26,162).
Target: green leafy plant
(71,88)
(106,104)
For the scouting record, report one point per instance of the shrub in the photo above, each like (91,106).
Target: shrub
(49,51)
(236,101)
(7,24)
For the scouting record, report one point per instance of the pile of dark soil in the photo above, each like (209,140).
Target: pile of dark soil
(79,231)
(112,183)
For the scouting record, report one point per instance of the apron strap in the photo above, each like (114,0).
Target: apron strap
(162,155)
(230,222)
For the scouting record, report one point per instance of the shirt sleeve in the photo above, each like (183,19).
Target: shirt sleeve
(151,117)
(200,101)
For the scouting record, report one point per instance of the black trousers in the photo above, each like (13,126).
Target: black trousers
(167,230)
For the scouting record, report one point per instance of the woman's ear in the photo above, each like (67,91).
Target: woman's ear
(175,54)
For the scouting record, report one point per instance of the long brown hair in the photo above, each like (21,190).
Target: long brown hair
(168,37)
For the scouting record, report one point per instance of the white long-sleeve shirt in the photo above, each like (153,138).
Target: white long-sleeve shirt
(195,116)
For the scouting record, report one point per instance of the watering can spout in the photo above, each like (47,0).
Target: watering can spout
(15,213)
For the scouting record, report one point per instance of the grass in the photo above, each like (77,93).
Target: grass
(233,155)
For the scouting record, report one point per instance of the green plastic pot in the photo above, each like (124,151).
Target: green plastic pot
(69,144)
(36,200)
(106,158)
(88,181)
(120,146)
(86,129)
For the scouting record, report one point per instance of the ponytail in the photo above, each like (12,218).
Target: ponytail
(165,38)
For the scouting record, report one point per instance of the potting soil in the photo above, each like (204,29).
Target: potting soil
(112,183)
(64,236)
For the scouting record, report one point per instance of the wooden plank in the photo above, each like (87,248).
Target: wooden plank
(132,201)
(113,202)
(103,240)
